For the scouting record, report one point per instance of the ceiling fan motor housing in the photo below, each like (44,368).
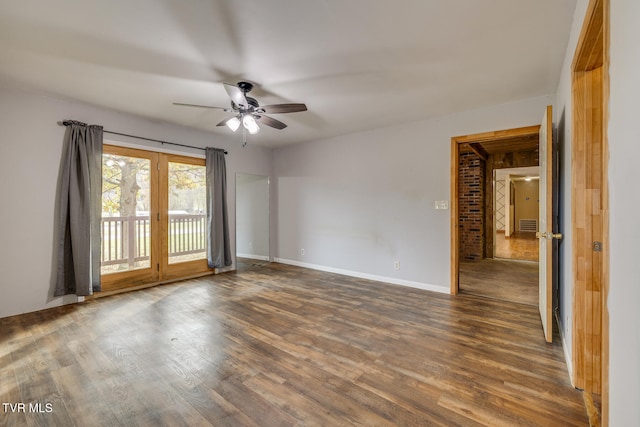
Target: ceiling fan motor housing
(245,86)
(251,101)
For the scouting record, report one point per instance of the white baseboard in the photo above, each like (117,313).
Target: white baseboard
(391,280)
(565,348)
(251,256)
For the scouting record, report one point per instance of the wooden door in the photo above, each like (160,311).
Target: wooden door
(153,218)
(545,224)
(182,217)
(129,229)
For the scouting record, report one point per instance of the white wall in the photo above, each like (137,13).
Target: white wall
(359,202)
(624,150)
(30,153)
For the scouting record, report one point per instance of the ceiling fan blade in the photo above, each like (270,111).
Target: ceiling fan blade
(270,121)
(236,95)
(282,108)
(224,122)
(199,106)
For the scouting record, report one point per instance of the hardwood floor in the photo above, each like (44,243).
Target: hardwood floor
(507,280)
(277,345)
(246,264)
(522,246)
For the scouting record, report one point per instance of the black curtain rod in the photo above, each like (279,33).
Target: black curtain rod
(69,122)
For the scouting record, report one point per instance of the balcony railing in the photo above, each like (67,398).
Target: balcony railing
(127,240)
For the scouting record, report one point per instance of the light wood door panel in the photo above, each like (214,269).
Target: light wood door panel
(545,232)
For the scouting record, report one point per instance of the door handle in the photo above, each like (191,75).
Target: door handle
(549,236)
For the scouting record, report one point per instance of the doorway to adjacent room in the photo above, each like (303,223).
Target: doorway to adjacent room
(515,207)
(496,253)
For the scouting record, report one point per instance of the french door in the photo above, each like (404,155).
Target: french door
(153,217)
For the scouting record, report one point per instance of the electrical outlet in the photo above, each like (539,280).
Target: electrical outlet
(302,251)
(396,265)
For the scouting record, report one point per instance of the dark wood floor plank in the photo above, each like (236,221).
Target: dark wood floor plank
(83,403)
(9,393)
(279,345)
(507,280)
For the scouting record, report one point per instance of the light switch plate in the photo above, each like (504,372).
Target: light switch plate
(442,204)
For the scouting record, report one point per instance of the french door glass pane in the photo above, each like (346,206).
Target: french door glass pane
(187,215)
(126,228)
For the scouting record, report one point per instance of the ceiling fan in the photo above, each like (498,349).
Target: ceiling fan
(248,112)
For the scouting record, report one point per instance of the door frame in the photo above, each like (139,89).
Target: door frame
(589,177)
(456,142)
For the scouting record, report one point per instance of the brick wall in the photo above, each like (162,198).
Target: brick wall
(471,171)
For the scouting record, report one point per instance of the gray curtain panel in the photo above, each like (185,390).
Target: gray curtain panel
(80,211)
(218,250)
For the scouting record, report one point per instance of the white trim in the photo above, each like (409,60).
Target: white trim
(160,149)
(251,256)
(565,348)
(391,280)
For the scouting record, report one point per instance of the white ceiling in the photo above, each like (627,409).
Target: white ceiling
(357,64)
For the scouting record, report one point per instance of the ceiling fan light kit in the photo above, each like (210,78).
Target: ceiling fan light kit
(250,124)
(248,111)
(233,123)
